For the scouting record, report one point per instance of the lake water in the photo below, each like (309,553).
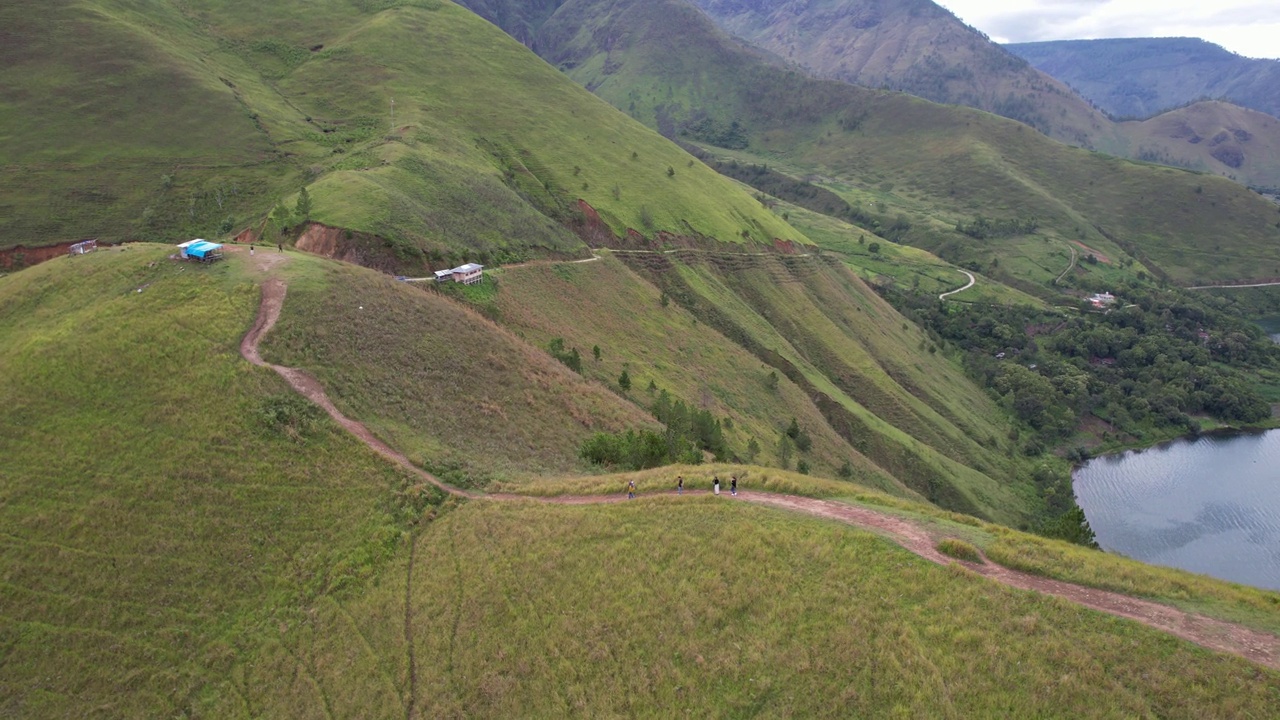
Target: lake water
(1210,505)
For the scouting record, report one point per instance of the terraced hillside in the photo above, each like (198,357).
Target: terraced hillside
(894,155)
(419,130)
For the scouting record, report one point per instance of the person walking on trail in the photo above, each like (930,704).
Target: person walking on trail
(715,485)
(631,490)
(680,485)
(250,251)
(733,485)
(280,247)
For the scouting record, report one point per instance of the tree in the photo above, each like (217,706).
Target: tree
(802,467)
(303,209)
(784,451)
(624,381)
(671,172)
(845,472)
(874,248)
(793,430)
(595,350)
(753,449)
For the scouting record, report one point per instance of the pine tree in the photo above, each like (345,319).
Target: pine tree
(624,381)
(303,208)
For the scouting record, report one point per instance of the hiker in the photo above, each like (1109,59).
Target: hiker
(631,490)
(250,251)
(280,246)
(715,485)
(733,485)
(680,485)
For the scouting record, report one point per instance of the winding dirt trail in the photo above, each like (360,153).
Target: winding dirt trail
(1260,647)
(972,282)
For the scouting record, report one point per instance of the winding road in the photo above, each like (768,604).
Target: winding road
(972,281)
(1259,647)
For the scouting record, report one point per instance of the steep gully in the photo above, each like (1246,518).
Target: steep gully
(1253,645)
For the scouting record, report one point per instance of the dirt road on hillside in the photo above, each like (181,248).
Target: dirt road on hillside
(1259,647)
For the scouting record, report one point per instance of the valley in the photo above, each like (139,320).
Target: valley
(309,479)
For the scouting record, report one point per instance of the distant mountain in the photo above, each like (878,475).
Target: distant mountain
(917,47)
(914,168)
(1140,77)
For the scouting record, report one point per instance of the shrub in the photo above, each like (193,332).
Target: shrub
(960,550)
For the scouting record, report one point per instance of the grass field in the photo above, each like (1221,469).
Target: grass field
(162,500)
(652,608)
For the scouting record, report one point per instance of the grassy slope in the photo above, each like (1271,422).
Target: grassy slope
(1256,608)
(172,553)
(152,519)
(867,390)
(603,303)
(449,388)
(225,106)
(714,610)
(943,164)
(1204,135)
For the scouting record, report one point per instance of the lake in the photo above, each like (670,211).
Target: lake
(1210,505)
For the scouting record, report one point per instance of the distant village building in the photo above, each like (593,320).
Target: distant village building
(468,274)
(83,247)
(1102,300)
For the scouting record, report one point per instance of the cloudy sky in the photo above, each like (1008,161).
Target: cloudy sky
(1247,27)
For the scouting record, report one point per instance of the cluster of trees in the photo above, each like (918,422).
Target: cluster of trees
(707,129)
(688,433)
(571,357)
(982,228)
(1163,357)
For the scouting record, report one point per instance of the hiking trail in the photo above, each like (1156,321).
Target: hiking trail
(1259,647)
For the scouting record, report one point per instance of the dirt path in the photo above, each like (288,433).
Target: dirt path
(1227,287)
(1259,647)
(972,281)
(1070,266)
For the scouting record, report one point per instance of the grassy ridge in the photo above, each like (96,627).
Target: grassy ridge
(222,108)
(604,304)
(446,386)
(161,499)
(846,365)
(712,609)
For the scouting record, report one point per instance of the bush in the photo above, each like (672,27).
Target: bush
(960,550)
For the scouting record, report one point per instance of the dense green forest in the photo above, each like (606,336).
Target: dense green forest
(1147,366)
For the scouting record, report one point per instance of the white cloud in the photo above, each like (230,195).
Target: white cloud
(1247,27)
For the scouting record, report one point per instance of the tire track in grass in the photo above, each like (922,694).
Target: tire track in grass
(1259,647)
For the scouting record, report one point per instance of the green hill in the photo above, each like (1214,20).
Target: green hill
(188,537)
(218,109)
(921,167)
